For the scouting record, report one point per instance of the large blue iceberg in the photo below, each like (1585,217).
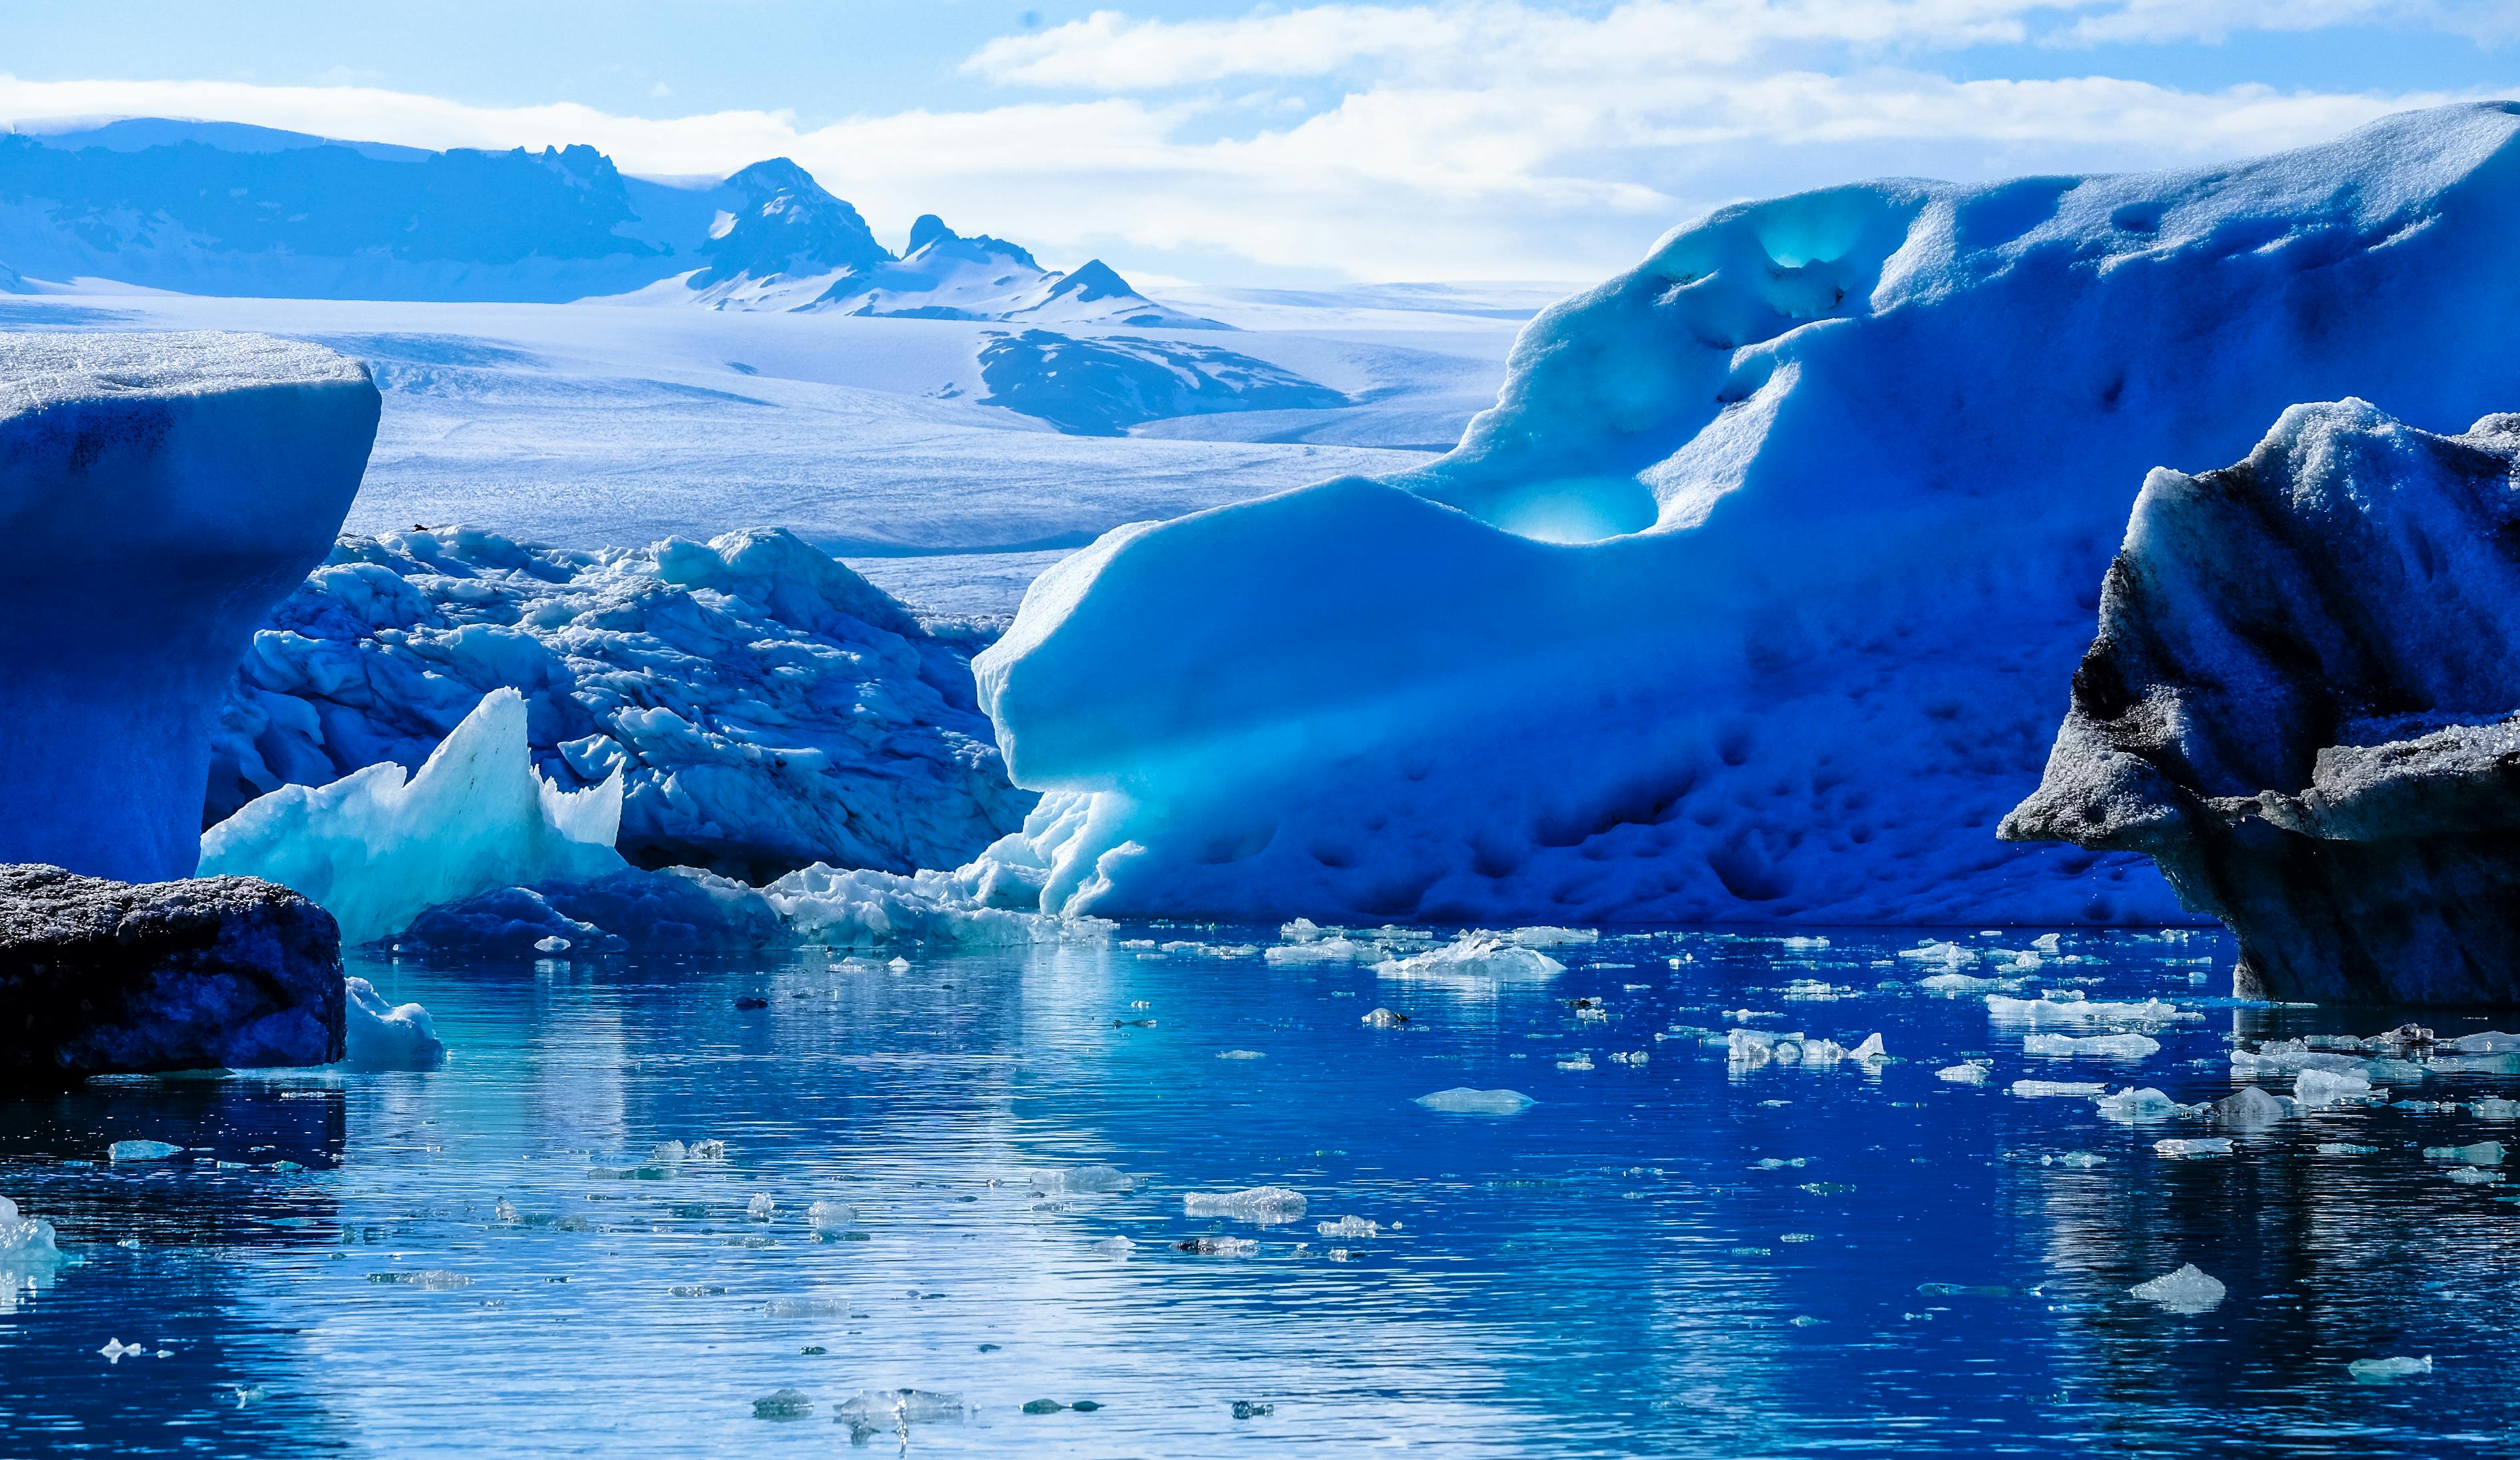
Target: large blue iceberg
(1756,597)
(159,493)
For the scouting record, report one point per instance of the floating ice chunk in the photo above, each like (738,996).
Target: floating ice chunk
(708,1151)
(2250,1105)
(2325,1087)
(2080,1160)
(1300,931)
(377,848)
(1083,1181)
(2100,1046)
(553,944)
(2055,1008)
(1348,1226)
(1384,1019)
(1462,1100)
(1630,1057)
(2186,1290)
(785,1405)
(2034,1089)
(1263,1204)
(2488,1043)
(668,1153)
(1328,950)
(141,1151)
(2473,1176)
(2494,1108)
(116,1350)
(2218,1145)
(831,1217)
(763,1206)
(1116,1248)
(28,1255)
(1218,1247)
(1552,937)
(2482,1153)
(2341,1148)
(1944,956)
(2374,1370)
(1953,986)
(876,1409)
(2045,942)
(1579,1061)
(1240,1054)
(385,1035)
(1963,1075)
(1475,956)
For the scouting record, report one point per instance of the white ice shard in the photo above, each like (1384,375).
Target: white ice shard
(376,848)
(2186,1290)
(28,1254)
(1752,598)
(2218,1144)
(2040,1090)
(1962,1073)
(2370,1369)
(2323,1087)
(1474,957)
(2133,1106)
(1263,1204)
(159,493)
(2095,1046)
(385,1035)
(1463,1100)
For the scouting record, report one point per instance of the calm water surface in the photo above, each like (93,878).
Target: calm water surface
(1611,1271)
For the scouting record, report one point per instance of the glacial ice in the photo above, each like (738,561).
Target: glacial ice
(161,492)
(2186,1290)
(1465,1100)
(2375,1369)
(2218,1145)
(1263,1204)
(2249,1108)
(1963,1075)
(376,849)
(2035,1089)
(1475,956)
(385,1035)
(2325,1087)
(1753,597)
(121,1151)
(766,707)
(28,1254)
(2099,1046)
(2481,1154)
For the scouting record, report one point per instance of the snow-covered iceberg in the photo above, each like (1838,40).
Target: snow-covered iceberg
(765,708)
(1756,596)
(159,493)
(376,848)
(2303,703)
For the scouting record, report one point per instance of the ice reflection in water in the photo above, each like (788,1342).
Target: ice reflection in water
(1681,1256)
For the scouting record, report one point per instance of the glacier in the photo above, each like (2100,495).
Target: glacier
(378,847)
(159,493)
(762,706)
(1755,597)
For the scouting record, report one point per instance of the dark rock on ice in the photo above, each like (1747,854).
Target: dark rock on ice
(2301,705)
(100,976)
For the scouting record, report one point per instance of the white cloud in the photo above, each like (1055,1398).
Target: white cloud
(1492,139)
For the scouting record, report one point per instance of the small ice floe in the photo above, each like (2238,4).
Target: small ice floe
(1968,1072)
(2382,1370)
(1750,1049)
(1944,955)
(1083,1181)
(762,1207)
(2079,1160)
(2186,1290)
(116,1350)
(1263,1204)
(1553,937)
(1117,1249)
(2132,1106)
(1629,1057)
(1815,991)
(873,1411)
(2218,1144)
(1462,1100)
(1579,1062)
(831,1217)
(1955,985)
(1240,1054)
(2061,1007)
(551,945)
(2474,1176)
(1384,1019)
(1475,957)
(785,1405)
(2343,1148)
(2482,1153)
(121,1151)
(2091,1046)
(2249,1106)
(2319,1088)
(2494,1108)
(1217,1246)
(2043,1089)
(1348,1226)
(380,1035)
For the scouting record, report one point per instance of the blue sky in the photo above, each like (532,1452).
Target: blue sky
(1222,142)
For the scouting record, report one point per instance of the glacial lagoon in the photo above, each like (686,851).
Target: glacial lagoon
(1683,1256)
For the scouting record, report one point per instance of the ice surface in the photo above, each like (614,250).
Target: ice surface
(385,1035)
(28,1254)
(1963,1075)
(142,1151)
(2186,1290)
(2220,1145)
(1753,597)
(1464,1100)
(1348,1226)
(2101,1046)
(376,848)
(159,493)
(2323,1087)
(1475,956)
(2481,1154)
(2346,1148)
(1083,1181)
(2048,1088)
(2370,1369)
(2250,1106)
(1265,1204)
(2055,1009)
(765,707)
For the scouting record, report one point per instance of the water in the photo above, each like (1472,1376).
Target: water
(1610,1271)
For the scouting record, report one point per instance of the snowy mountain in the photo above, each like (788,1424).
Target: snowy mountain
(227,209)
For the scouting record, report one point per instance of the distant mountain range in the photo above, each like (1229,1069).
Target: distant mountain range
(226,208)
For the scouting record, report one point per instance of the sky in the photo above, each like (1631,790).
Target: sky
(1291,144)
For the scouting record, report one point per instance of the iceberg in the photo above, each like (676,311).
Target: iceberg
(376,850)
(2300,704)
(161,492)
(1752,598)
(385,1035)
(2186,1290)
(766,707)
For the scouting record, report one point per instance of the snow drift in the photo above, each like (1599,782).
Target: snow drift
(765,708)
(1756,596)
(159,493)
(376,849)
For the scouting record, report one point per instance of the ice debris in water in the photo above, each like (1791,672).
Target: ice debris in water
(2473,1176)
(2035,1089)
(763,1206)
(28,1254)
(1553,937)
(116,1350)
(1750,1049)
(2250,1105)
(2218,1145)
(876,1409)
(1968,1073)
(553,944)
(1475,955)
(1944,956)
(1241,1054)
(1953,986)
(2101,1046)
(1218,1247)
(2053,1008)
(2186,1290)
(2494,1108)
(1082,1180)
(785,1405)
(1348,1226)
(385,1035)
(668,1153)
(2482,1153)
(1265,1204)
(1579,1061)
(1384,1019)
(2147,1104)
(708,1151)
(2342,1148)
(378,847)
(141,1151)
(831,1217)
(1116,1248)
(1462,1100)
(2370,1370)
(2325,1087)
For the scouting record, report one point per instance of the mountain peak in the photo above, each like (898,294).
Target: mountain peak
(927,230)
(781,222)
